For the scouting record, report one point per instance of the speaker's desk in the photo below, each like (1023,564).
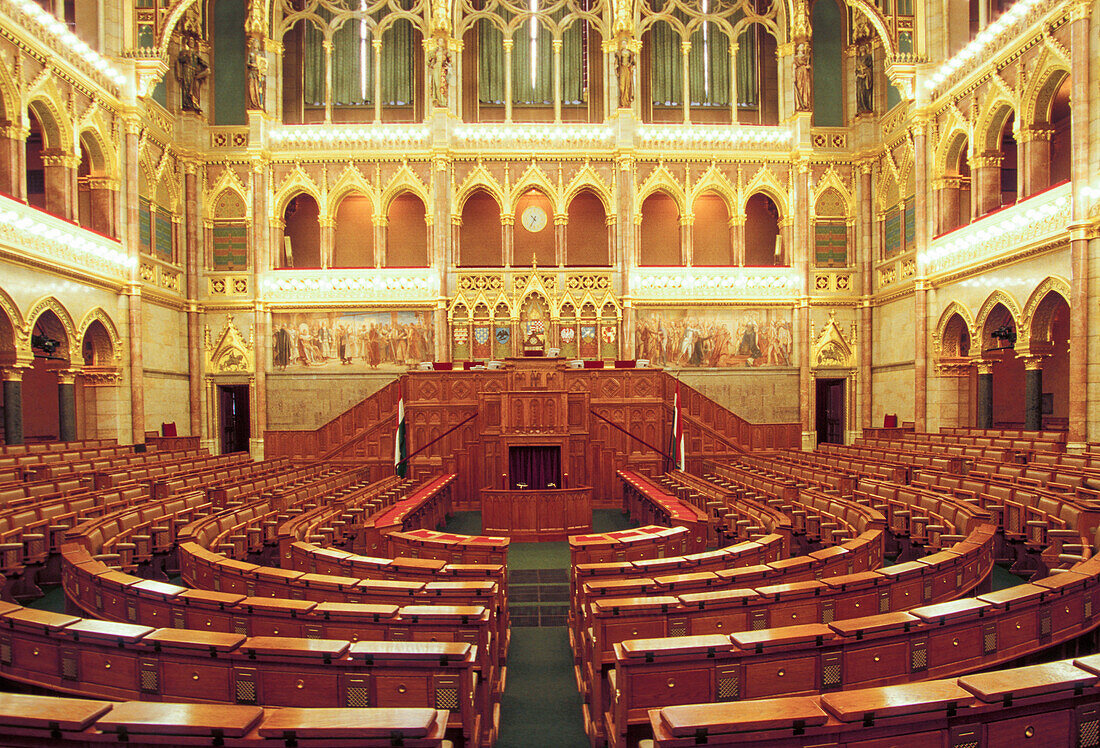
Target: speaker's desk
(536,514)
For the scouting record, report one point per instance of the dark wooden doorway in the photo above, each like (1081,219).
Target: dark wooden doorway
(234,417)
(830,411)
(534,467)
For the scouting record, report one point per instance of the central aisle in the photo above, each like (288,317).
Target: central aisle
(541,707)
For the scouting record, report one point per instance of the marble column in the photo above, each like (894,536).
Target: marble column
(441,240)
(66,405)
(798,256)
(13,404)
(102,194)
(1033,393)
(261,316)
(192,247)
(60,172)
(381,226)
(985,184)
(1081,169)
(1035,160)
(561,225)
(627,232)
(507,238)
(864,250)
(687,255)
(133,288)
(12,153)
(328,241)
(920,287)
(985,395)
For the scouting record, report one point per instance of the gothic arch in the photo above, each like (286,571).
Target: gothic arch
(766,182)
(100,153)
(479,178)
(715,182)
(405,181)
(1038,316)
(1037,98)
(661,180)
(951,148)
(995,299)
(56,128)
(98,315)
(51,304)
(987,130)
(941,345)
(10,317)
(295,184)
(534,178)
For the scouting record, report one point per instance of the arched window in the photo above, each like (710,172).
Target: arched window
(660,231)
(407,232)
(35,166)
(587,239)
(357,80)
(710,231)
(1009,163)
(763,245)
(95,198)
(229,233)
(1060,140)
(354,233)
(479,239)
(301,233)
(955,208)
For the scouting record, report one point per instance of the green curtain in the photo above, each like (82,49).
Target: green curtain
(709,67)
(538,89)
(398,70)
(313,65)
(573,74)
(347,79)
(666,66)
(747,93)
(490,72)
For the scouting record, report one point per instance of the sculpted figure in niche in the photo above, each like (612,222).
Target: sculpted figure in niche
(257,67)
(803,79)
(865,82)
(625,60)
(191,71)
(441,68)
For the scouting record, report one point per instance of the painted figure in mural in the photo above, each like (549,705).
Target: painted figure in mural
(191,71)
(283,348)
(803,79)
(865,91)
(624,58)
(257,67)
(748,346)
(441,69)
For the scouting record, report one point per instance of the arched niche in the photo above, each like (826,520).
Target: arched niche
(659,235)
(480,238)
(587,239)
(407,232)
(711,242)
(763,248)
(534,231)
(354,233)
(302,227)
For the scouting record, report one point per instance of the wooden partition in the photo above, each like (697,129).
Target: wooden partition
(546,514)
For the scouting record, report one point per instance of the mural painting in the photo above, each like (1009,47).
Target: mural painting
(351,341)
(715,337)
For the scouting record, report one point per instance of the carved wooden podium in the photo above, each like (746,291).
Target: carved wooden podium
(536,514)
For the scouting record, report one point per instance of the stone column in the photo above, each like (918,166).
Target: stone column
(507,238)
(60,172)
(102,194)
(328,241)
(441,237)
(1081,169)
(381,226)
(686,238)
(66,405)
(737,240)
(192,248)
(12,154)
(796,247)
(627,232)
(1033,393)
(865,251)
(261,350)
(1035,160)
(13,404)
(920,286)
(133,288)
(985,184)
(561,224)
(985,394)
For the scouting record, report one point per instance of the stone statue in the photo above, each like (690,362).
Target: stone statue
(625,60)
(803,79)
(865,83)
(191,71)
(257,68)
(441,68)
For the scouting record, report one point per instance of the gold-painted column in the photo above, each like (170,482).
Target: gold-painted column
(381,226)
(261,316)
(865,251)
(133,287)
(1079,245)
(508,80)
(561,223)
(508,238)
(920,286)
(192,248)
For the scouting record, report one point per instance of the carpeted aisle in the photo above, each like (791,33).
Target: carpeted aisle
(541,705)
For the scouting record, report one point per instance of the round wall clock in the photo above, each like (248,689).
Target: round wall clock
(533,219)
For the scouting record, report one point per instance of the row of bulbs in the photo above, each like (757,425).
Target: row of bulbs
(68,39)
(784,279)
(403,135)
(978,48)
(66,238)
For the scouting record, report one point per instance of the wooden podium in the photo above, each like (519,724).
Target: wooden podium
(538,514)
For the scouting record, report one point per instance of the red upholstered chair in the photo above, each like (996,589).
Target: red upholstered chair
(168,429)
(890,421)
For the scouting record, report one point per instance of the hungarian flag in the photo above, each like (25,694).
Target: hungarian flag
(400,441)
(677,431)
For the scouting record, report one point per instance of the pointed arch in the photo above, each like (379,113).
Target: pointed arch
(99,315)
(350,182)
(589,179)
(941,342)
(996,299)
(403,181)
(296,183)
(990,124)
(534,178)
(51,304)
(1037,314)
(479,178)
(661,180)
(765,181)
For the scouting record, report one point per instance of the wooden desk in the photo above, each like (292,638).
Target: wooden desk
(543,514)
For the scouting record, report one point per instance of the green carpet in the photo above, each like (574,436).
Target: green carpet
(541,705)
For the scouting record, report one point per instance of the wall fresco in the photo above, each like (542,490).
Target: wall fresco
(724,337)
(351,341)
